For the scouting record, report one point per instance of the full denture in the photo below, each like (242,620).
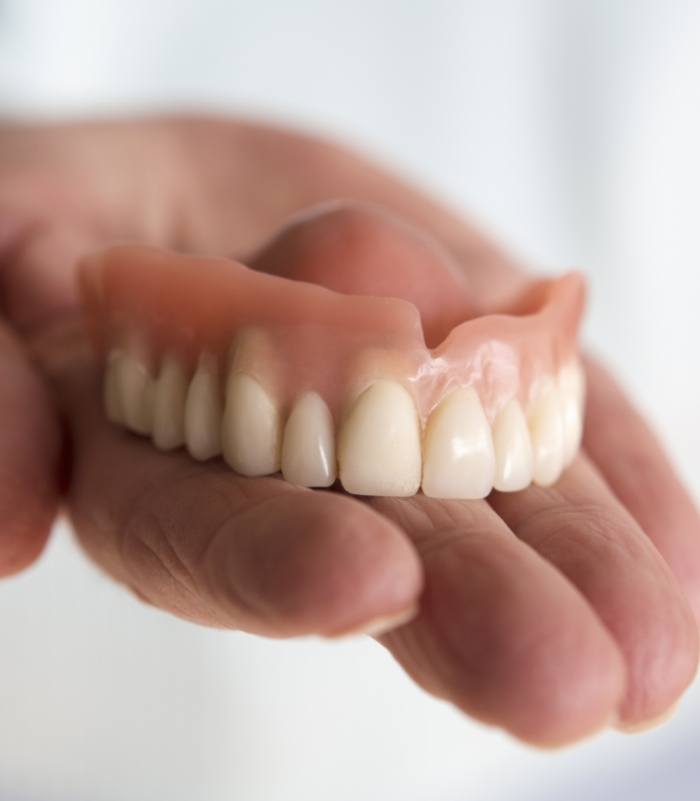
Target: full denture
(274,373)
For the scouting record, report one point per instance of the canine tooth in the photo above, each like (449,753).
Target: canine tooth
(170,396)
(251,426)
(110,388)
(572,391)
(547,434)
(379,443)
(135,389)
(308,447)
(458,453)
(203,410)
(511,442)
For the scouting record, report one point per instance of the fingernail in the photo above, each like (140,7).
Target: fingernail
(378,625)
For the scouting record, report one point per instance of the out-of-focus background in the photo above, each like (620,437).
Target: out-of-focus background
(570,130)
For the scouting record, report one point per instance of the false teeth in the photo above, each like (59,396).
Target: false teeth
(379,449)
(203,410)
(251,428)
(513,449)
(547,434)
(458,453)
(170,396)
(308,449)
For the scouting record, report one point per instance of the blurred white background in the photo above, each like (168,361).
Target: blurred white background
(570,130)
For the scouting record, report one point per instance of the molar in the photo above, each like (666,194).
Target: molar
(547,433)
(379,443)
(511,441)
(308,448)
(251,428)
(110,388)
(170,396)
(203,410)
(458,451)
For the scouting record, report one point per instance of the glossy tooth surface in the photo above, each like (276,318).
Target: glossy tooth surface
(170,395)
(572,393)
(511,442)
(308,448)
(547,434)
(458,452)
(251,430)
(203,410)
(110,388)
(135,390)
(379,443)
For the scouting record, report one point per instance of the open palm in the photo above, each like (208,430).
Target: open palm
(550,612)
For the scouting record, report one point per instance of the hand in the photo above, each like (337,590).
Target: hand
(549,612)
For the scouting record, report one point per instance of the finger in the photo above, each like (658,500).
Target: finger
(638,471)
(217,548)
(29,458)
(501,633)
(584,531)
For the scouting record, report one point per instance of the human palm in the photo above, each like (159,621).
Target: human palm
(549,612)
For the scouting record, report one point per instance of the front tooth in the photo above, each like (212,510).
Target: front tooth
(379,443)
(308,448)
(251,432)
(135,392)
(110,388)
(459,459)
(169,405)
(511,442)
(572,392)
(203,410)
(547,434)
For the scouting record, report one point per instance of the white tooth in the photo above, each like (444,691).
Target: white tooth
(110,388)
(511,442)
(135,390)
(203,410)
(547,434)
(572,392)
(251,429)
(458,454)
(308,448)
(170,396)
(379,443)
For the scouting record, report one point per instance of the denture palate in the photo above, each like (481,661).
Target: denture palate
(276,374)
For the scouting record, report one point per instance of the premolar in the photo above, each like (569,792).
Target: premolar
(458,451)
(203,410)
(308,449)
(511,442)
(251,428)
(379,444)
(170,396)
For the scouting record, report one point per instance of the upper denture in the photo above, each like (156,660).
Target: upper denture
(251,345)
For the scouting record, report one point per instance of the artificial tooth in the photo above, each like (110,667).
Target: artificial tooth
(110,388)
(251,429)
(308,447)
(547,434)
(203,410)
(572,391)
(135,392)
(379,443)
(170,395)
(458,452)
(513,449)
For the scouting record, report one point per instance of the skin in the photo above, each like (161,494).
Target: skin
(550,613)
